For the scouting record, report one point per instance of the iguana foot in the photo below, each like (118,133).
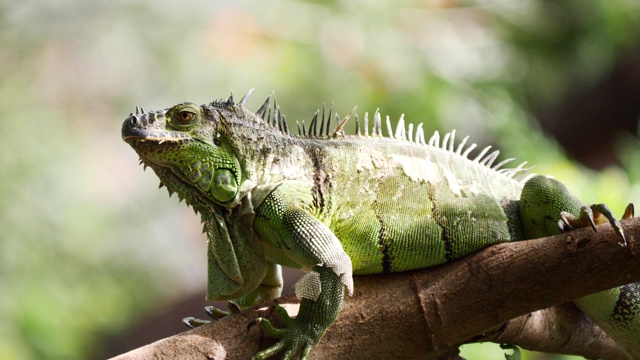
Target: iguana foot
(214,313)
(296,337)
(593,215)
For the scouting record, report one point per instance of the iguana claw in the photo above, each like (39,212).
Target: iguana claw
(629,212)
(569,222)
(193,323)
(214,313)
(218,314)
(593,215)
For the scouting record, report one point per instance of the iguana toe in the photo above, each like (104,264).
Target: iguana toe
(214,313)
(193,323)
(593,215)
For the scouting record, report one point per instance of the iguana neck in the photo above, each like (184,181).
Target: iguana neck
(267,155)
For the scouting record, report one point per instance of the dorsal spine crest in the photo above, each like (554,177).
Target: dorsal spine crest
(271,114)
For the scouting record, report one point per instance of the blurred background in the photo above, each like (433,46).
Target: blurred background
(95,261)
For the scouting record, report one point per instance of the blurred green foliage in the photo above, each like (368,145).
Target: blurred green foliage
(87,244)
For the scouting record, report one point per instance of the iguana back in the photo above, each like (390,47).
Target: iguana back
(399,205)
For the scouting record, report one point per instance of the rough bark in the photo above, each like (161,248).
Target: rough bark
(492,295)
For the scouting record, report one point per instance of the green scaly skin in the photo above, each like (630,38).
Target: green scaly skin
(337,205)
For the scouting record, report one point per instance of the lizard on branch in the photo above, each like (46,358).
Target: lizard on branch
(339,205)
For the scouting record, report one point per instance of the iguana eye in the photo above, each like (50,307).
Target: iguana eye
(216,139)
(185,117)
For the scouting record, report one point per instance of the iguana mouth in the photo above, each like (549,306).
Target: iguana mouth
(145,127)
(135,139)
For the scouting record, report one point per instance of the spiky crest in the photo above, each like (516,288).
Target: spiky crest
(271,114)
(246,97)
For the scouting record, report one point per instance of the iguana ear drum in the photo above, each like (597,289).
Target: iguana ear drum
(224,187)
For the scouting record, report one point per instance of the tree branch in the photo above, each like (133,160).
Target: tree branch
(491,295)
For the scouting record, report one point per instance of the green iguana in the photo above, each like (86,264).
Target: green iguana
(336,206)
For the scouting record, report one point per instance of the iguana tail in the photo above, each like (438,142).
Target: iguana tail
(617,312)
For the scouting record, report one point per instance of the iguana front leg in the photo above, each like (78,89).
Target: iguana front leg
(289,230)
(314,318)
(270,288)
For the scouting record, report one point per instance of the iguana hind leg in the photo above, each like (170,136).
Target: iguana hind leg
(548,208)
(617,310)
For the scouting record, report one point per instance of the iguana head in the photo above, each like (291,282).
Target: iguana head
(184,145)
(195,152)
